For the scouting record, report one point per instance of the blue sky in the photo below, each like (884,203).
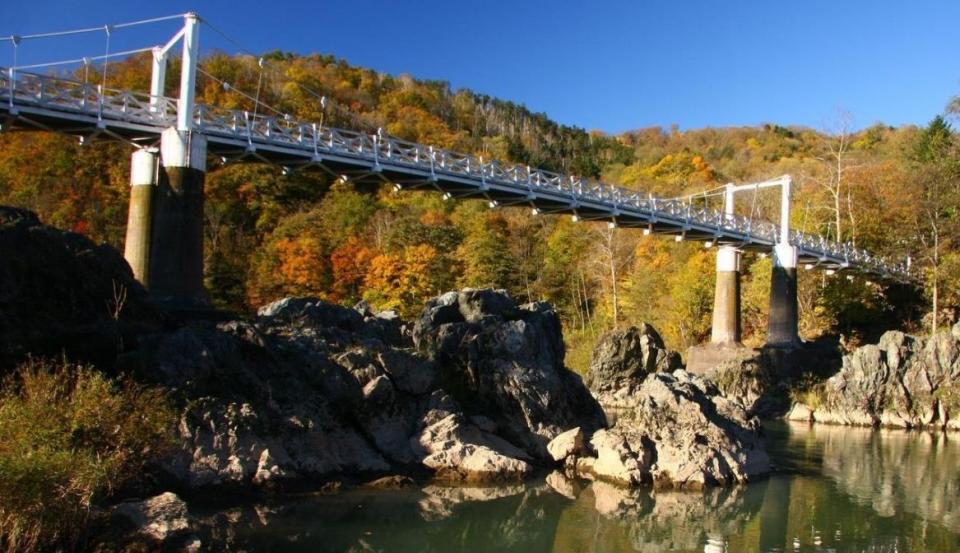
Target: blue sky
(609,65)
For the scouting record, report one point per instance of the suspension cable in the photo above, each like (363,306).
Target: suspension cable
(227,86)
(16,38)
(753,205)
(86,59)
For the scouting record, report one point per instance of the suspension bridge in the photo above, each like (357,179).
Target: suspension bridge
(173,137)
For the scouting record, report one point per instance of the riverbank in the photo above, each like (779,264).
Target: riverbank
(848,489)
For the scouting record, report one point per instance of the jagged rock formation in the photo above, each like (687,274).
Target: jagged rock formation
(671,427)
(763,379)
(314,390)
(622,358)
(506,362)
(902,381)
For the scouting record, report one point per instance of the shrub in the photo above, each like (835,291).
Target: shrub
(68,436)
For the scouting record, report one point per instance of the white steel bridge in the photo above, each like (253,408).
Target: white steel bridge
(31,101)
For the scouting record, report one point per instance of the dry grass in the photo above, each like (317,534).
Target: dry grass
(68,436)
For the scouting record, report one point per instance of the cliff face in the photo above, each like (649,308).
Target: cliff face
(902,381)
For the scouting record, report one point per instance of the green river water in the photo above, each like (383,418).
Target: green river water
(838,489)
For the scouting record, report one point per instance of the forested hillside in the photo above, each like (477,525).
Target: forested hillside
(893,190)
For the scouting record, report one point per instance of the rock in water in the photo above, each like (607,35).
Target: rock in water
(159,518)
(569,443)
(671,428)
(314,390)
(506,362)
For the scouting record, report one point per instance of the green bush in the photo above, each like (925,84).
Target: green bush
(68,436)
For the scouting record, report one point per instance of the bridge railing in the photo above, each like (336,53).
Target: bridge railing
(64,95)
(86,98)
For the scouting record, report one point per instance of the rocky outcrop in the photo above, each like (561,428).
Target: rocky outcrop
(505,362)
(60,293)
(308,390)
(670,428)
(902,381)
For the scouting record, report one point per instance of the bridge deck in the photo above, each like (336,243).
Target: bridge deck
(39,102)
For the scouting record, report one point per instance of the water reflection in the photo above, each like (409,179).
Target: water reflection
(842,490)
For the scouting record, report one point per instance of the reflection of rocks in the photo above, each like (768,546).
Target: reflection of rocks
(891,470)
(672,428)
(563,485)
(437,519)
(657,520)
(440,501)
(902,381)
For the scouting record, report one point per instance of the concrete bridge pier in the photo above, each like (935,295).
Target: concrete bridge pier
(727,328)
(143,182)
(783,317)
(175,269)
(725,335)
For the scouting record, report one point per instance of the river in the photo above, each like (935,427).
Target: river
(838,489)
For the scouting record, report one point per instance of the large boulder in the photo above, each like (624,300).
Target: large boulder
(505,362)
(670,428)
(622,357)
(60,293)
(457,449)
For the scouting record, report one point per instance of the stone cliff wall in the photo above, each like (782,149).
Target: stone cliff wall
(902,381)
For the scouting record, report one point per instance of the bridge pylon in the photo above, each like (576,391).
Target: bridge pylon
(175,271)
(165,224)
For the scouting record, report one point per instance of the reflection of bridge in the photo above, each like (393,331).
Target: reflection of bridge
(164,236)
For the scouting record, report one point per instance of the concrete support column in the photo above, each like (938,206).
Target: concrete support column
(143,183)
(783,316)
(176,249)
(726,300)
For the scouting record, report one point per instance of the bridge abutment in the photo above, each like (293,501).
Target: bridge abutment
(175,268)
(783,317)
(143,183)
